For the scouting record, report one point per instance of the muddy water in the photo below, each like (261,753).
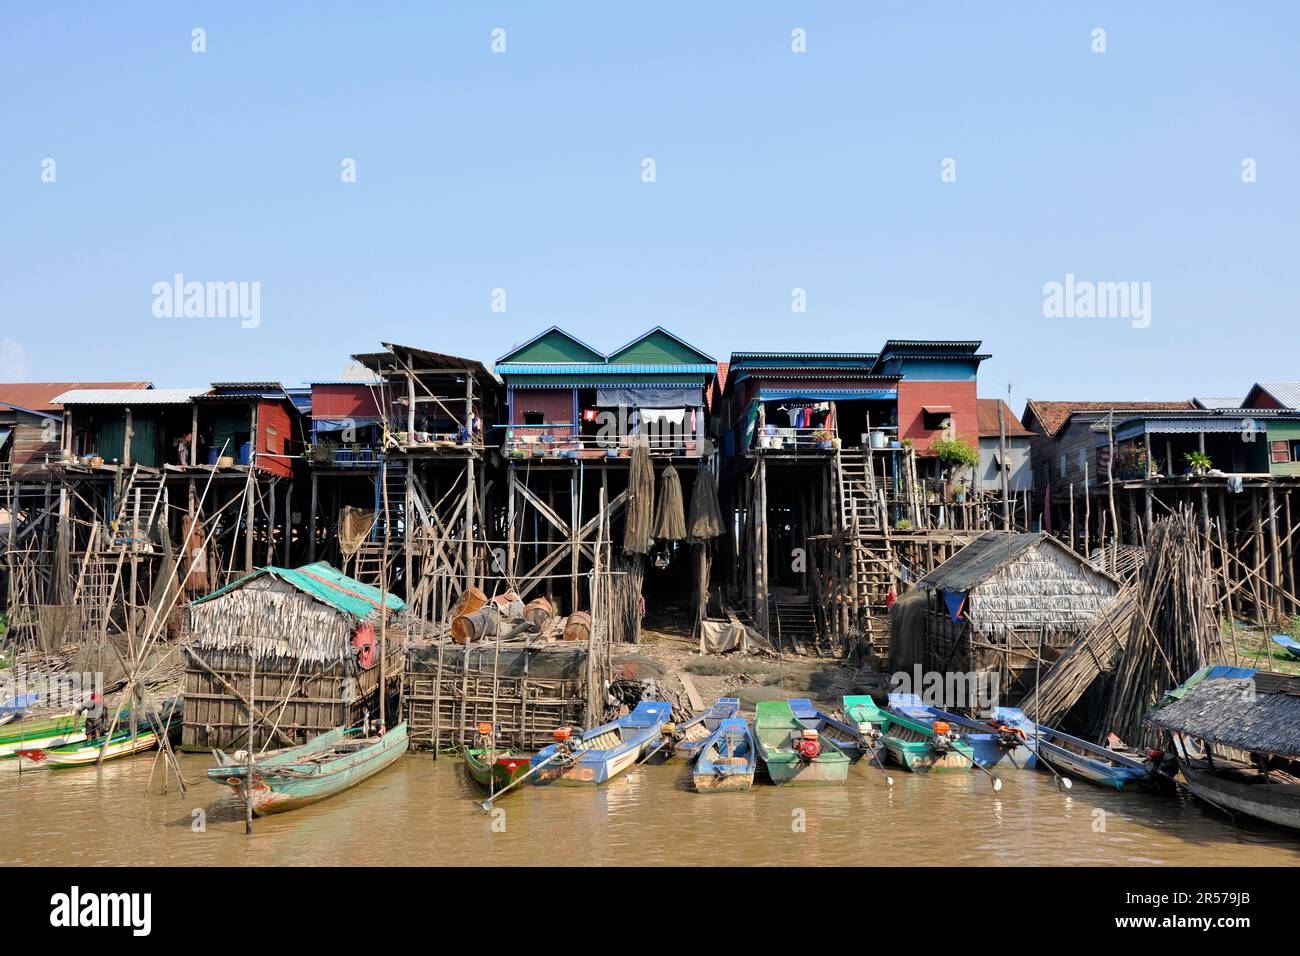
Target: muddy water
(423,812)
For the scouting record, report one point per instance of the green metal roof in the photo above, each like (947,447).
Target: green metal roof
(628,369)
(326,584)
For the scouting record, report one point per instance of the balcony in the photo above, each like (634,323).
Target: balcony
(560,442)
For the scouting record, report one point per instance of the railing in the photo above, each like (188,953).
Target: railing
(778,438)
(561,443)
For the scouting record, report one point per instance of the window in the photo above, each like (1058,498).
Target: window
(1083,460)
(272,442)
(1065,465)
(534,418)
(1295,450)
(935,420)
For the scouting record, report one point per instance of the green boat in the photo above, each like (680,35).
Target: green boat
(917,745)
(298,776)
(40,733)
(793,753)
(492,768)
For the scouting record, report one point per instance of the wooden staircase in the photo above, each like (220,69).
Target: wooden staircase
(143,502)
(390,515)
(856,486)
(795,624)
(368,563)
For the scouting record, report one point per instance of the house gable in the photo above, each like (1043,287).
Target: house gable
(554,346)
(659,347)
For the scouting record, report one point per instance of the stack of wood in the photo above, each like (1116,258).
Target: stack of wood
(1174,630)
(1094,654)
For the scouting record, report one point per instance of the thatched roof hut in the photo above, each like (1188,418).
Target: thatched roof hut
(300,644)
(996,605)
(1019,581)
(1235,707)
(305,614)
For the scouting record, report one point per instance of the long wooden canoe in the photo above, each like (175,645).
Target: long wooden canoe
(1002,741)
(848,738)
(600,754)
(495,769)
(786,748)
(727,759)
(691,734)
(297,776)
(40,733)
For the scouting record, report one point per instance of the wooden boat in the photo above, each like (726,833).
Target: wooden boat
(40,733)
(792,753)
(490,767)
(689,736)
(1001,741)
(297,776)
(921,745)
(726,760)
(1289,645)
(1240,787)
(598,755)
(851,740)
(130,737)
(1233,733)
(1092,762)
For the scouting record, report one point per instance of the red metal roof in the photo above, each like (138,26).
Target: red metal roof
(39,396)
(987,416)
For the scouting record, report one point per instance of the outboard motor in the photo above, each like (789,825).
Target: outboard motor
(807,744)
(1010,737)
(945,738)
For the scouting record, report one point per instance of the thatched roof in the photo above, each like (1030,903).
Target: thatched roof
(989,553)
(306,614)
(1235,707)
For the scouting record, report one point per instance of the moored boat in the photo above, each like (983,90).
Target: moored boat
(1235,738)
(297,776)
(690,735)
(39,733)
(598,755)
(850,738)
(792,753)
(493,768)
(1001,741)
(1082,758)
(727,759)
(131,736)
(923,745)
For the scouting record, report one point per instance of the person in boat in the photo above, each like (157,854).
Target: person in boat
(96,716)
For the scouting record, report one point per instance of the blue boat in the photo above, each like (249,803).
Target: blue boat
(854,741)
(727,759)
(1287,644)
(1092,762)
(597,756)
(1003,741)
(690,735)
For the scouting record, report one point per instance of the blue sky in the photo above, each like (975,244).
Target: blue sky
(774,171)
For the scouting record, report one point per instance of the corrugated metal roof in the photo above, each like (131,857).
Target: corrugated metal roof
(1287,393)
(41,396)
(126,396)
(1218,401)
(597,369)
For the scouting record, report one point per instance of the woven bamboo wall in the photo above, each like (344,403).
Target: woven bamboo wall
(301,701)
(443,709)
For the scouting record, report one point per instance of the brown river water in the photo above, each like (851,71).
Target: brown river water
(423,812)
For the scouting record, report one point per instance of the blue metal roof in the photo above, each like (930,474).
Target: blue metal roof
(593,368)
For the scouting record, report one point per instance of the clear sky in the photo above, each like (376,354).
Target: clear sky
(774,170)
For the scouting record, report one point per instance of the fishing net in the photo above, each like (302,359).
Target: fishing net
(670,521)
(706,514)
(638,526)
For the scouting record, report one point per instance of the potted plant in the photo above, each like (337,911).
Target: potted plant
(959,494)
(954,454)
(823,437)
(903,524)
(1198,462)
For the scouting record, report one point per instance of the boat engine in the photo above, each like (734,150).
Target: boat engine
(566,742)
(945,738)
(1010,737)
(807,745)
